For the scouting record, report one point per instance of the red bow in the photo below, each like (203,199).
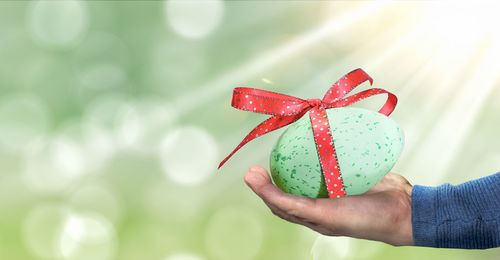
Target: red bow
(287,109)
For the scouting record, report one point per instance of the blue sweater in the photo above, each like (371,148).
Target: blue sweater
(461,216)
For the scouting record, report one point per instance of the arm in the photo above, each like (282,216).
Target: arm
(383,213)
(394,212)
(461,216)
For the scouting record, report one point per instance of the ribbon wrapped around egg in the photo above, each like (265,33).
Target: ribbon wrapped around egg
(336,151)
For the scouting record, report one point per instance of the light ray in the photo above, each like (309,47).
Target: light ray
(353,58)
(364,58)
(269,59)
(440,148)
(415,124)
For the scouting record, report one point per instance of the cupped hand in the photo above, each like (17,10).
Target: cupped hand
(383,213)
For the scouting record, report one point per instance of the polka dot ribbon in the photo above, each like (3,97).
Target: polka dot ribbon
(287,109)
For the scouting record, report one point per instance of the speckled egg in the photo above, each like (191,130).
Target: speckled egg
(368,144)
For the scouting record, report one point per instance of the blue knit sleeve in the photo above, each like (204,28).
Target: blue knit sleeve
(461,216)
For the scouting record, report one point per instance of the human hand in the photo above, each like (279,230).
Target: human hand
(383,213)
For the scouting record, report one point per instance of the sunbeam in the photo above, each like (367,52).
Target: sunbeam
(440,148)
(271,58)
(374,53)
(415,125)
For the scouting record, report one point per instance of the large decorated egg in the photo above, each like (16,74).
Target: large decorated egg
(367,144)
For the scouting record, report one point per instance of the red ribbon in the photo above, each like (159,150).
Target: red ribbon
(287,109)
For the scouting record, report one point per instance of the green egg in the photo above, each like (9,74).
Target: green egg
(367,144)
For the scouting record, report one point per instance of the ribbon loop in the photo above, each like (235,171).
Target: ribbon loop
(266,102)
(287,109)
(345,85)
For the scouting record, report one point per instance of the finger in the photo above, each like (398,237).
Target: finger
(312,217)
(298,206)
(313,224)
(391,181)
(298,220)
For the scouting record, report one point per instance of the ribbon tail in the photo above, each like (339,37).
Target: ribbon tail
(269,125)
(326,153)
(387,109)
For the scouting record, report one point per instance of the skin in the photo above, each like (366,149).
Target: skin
(383,213)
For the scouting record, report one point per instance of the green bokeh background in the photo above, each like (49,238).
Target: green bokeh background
(114,116)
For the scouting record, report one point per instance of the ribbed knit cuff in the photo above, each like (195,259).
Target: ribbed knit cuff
(462,216)
(423,215)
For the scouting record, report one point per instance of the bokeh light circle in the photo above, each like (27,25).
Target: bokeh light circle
(157,118)
(129,126)
(175,62)
(158,201)
(188,155)
(59,23)
(102,76)
(194,19)
(52,165)
(42,228)
(23,120)
(87,236)
(101,61)
(233,233)
(326,247)
(116,114)
(95,143)
(117,122)
(96,198)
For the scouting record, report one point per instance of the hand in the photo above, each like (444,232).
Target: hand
(383,213)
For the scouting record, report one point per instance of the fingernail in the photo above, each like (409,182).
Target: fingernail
(254,168)
(254,177)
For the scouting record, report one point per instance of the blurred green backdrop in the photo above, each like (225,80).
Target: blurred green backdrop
(115,114)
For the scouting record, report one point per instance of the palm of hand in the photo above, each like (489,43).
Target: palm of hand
(383,213)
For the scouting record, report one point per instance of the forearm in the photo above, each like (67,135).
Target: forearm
(461,216)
